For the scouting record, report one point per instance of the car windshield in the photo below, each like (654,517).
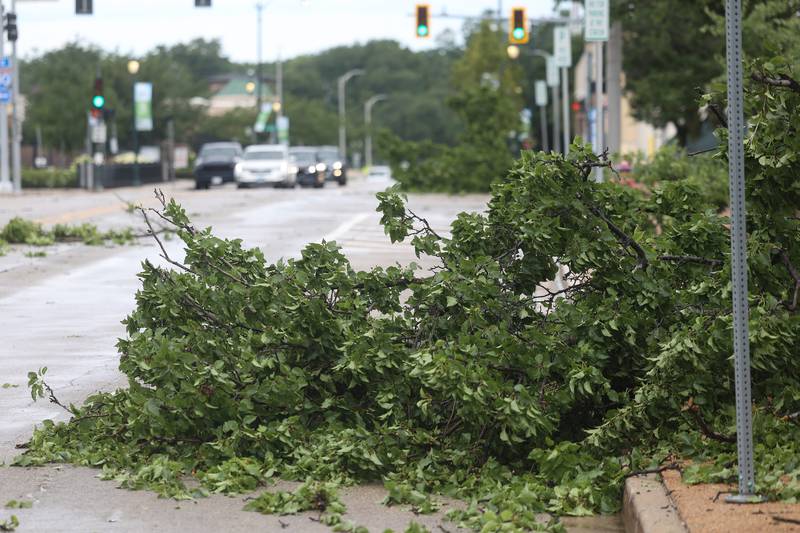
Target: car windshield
(218,152)
(328,156)
(265,155)
(304,157)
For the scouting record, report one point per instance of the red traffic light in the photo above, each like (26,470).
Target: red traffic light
(576,106)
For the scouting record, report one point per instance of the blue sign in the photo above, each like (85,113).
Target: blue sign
(5,62)
(5,96)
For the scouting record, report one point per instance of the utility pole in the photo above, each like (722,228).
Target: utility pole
(5,182)
(599,120)
(343,110)
(614,75)
(279,84)
(368,125)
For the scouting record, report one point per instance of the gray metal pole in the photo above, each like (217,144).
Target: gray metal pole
(741,343)
(259,74)
(614,91)
(368,125)
(16,125)
(5,182)
(565,107)
(279,84)
(543,122)
(556,120)
(599,121)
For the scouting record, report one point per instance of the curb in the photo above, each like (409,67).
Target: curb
(646,507)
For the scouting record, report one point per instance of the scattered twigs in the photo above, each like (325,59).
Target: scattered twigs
(782,81)
(785,520)
(691,259)
(663,468)
(164,253)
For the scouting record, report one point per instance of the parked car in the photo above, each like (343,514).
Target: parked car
(266,164)
(380,172)
(215,164)
(310,171)
(335,169)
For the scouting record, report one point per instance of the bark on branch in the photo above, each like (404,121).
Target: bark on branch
(782,82)
(691,259)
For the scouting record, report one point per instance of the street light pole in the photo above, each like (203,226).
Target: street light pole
(259,30)
(133,69)
(343,110)
(368,125)
(565,106)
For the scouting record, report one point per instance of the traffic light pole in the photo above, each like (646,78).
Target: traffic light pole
(5,182)
(565,106)
(16,126)
(599,121)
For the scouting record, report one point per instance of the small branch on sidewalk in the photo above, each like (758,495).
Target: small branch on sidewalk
(52,397)
(664,468)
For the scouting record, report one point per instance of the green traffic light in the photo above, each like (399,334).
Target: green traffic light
(422,30)
(98,101)
(519,33)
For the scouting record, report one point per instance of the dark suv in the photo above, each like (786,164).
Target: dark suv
(334,167)
(215,164)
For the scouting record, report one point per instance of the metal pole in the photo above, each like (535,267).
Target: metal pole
(556,119)
(16,125)
(279,84)
(136,178)
(5,182)
(342,82)
(589,132)
(543,122)
(741,344)
(368,125)
(599,121)
(565,107)
(259,30)
(614,91)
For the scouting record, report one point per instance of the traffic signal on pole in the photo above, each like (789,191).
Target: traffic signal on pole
(423,21)
(83,7)
(98,100)
(518,31)
(202,3)
(11,27)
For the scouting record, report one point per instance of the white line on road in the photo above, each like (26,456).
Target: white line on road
(347,226)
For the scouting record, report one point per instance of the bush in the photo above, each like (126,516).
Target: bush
(36,178)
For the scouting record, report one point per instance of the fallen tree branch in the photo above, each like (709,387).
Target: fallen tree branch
(623,238)
(782,82)
(691,259)
(671,466)
(694,410)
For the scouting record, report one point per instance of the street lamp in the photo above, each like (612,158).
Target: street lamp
(342,110)
(368,124)
(133,69)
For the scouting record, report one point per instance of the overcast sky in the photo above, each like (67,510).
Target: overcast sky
(291,27)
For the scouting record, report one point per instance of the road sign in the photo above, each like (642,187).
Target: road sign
(5,96)
(541,93)
(596,20)
(5,63)
(562,44)
(83,7)
(142,105)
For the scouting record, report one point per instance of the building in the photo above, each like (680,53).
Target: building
(234,92)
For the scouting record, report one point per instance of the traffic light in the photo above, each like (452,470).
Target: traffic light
(202,3)
(83,7)
(98,100)
(11,27)
(518,32)
(423,21)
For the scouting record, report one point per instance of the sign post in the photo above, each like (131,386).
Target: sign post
(741,335)
(553,82)
(562,45)
(143,105)
(596,31)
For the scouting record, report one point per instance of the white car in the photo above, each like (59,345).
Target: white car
(266,164)
(380,173)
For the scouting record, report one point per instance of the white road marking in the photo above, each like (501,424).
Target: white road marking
(346,226)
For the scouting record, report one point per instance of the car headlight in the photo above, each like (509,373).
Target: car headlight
(322,167)
(337,173)
(237,169)
(312,169)
(293,169)
(337,165)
